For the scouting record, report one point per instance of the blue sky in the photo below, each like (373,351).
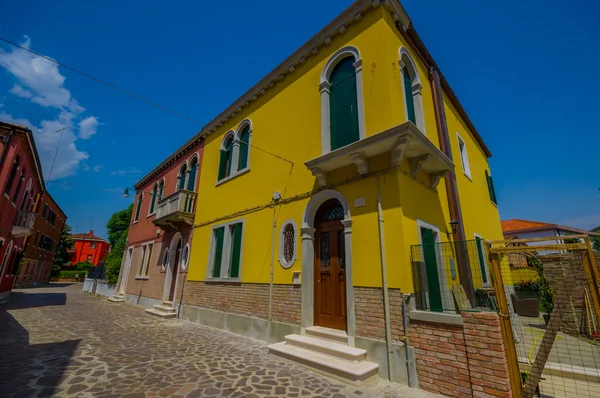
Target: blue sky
(526,72)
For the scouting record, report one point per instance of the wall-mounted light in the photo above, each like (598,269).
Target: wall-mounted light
(453,226)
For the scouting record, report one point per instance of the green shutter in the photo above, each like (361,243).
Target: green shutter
(192,177)
(491,188)
(431,269)
(244,148)
(181,177)
(153,200)
(234,269)
(343,105)
(220,233)
(160,191)
(229,158)
(222,164)
(408,96)
(139,207)
(479,243)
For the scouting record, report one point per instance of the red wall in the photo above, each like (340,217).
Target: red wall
(18,145)
(83,249)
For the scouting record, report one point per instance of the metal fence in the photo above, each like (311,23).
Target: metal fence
(97,272)
(452,276)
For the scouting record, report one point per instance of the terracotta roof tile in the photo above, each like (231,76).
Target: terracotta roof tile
(515,224)
(86,237)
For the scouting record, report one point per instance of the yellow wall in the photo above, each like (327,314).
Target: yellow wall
(287,121)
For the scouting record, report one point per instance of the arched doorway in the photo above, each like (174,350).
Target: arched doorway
(330,266)
(174,270)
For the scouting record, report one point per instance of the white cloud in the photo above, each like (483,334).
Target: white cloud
(121,173)
(19,91)
(585,222)
(86,167)
(41,82)
(88,127)
(98,168)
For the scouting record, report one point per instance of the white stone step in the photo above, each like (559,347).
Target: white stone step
(162,314)
(165,308)
(337,350)
(355,373)
(117,299)
(338,336)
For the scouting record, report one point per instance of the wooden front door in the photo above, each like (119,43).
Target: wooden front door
(330,267)
(175,270)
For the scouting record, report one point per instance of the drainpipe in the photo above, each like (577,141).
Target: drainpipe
(272,264)
(386,297)
(464,270)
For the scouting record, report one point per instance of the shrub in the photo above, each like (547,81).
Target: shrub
(528,285)
(83,266)
(71,274)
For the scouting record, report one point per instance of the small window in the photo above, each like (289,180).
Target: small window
(226,251)
(191,184)
(161,189)
(11,176)
(226,158)
(244,148)
(491,188)
(153,199)
(92,245)
(145,256)
(464,158)
(139,207)
(181,177)
(287,244)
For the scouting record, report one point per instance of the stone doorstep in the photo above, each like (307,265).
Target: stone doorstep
(567,370)
(163,310)
(338,336)
(117,299)
(327,347)
(355,373)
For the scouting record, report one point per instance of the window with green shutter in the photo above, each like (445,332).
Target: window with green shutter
(139,207)
(153,198)
(343,104)
(226,157)
(408,96)
(481,257)
(161,188)
(236,246)
(218,254)
(244,148)
(191,185)
(491,189)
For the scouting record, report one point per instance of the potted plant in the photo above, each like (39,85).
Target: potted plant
(527,289)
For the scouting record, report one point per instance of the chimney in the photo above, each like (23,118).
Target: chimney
(91,233)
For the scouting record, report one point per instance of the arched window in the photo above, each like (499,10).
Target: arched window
(226,158)
(181,177)
(165,258)
(287,244)
(161,189)
(342,109)
(244,148)
(7,254)
(411,86)
(11,176)
(191,185)
(153,198)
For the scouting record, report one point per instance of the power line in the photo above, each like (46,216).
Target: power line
(139,97)
(61,131)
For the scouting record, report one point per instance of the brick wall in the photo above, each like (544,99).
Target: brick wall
(462,361)
(368,309)
(247,299)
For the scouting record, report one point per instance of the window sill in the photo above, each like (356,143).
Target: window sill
(144,278)
(223,280)
(135,222)
(151,214)
(231,177)
(6,196)
(468,176)
(435,317)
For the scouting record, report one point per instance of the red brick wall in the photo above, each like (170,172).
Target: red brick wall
(462,361)
(247,299)
(368,308)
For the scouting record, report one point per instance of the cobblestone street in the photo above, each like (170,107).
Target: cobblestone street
(59,341)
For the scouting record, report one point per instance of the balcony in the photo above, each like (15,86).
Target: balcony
(177,208)
(404,141)
(23,225)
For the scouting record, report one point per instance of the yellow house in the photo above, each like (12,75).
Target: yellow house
(319,182)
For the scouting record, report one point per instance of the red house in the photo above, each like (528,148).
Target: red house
(88,248)
(21,186)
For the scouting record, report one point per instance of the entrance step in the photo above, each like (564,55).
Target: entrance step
(327,347)
(162,310)
(117,298)
(350,371)
(338,336)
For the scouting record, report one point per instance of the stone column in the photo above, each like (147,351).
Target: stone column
(349,285)
(308,278)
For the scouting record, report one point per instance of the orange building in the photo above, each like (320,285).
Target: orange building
(88,248)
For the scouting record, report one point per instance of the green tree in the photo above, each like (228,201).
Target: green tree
(596,243)
(65,244)
(113,260)
(117,224)
(83,266)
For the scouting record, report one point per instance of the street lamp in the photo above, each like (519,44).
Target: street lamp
(453,226)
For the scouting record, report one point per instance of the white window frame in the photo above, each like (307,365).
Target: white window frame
(485,261)
(6,256)
(138,203)
(405,60)
(145,256)
(325,91)
(190,161)
(464,156)
(226,256)
(442,279)
(235,152)
(287,264)
(184,264)
(92,245)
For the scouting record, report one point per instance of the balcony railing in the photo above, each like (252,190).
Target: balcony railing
(177,207)
(23,224)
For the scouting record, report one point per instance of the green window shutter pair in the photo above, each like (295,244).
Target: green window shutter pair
(153,200)
(343,105)
(408,96)
(192,177)
(139,207)
(481,257)
(161,188)
(236,245)
(431,270)
(491,188)
(244,148)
